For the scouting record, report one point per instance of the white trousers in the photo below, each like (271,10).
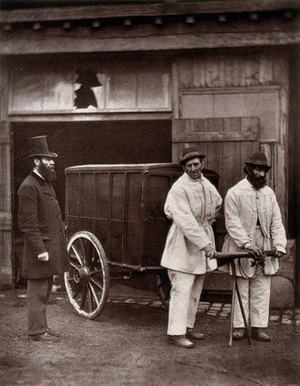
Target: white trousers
(255,295)
(184,298)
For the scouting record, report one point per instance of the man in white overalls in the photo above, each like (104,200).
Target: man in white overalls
(192,204)
(253,222)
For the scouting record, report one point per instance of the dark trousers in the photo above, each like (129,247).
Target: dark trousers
(38,294)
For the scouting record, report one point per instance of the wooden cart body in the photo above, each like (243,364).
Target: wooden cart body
(122,208)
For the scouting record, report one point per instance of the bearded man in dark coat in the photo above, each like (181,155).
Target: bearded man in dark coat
(45,251)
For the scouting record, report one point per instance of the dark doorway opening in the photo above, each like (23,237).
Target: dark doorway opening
(80,143)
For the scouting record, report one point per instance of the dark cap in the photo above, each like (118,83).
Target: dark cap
(189,153)
(38,147)
(258,159)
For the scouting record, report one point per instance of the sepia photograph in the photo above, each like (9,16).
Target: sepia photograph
(149,192)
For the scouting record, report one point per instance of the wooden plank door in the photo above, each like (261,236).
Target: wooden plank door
(5,207)
(226,142)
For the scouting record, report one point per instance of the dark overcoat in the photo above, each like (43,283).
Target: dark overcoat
(40,221)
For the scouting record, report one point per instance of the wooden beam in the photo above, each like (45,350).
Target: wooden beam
(5,221)
(89,116)
(215,137)
(24,44)
(167,9)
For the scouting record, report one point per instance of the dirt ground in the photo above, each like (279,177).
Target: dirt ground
(127,345)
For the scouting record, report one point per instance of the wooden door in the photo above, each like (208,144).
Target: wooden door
(226,142)
(5,206)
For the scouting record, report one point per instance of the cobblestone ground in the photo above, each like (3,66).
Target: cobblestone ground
(127,345)
(220,311)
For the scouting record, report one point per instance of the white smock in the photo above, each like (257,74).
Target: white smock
(192,206)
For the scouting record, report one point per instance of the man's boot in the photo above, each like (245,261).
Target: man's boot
(181,341)
(259,334)
(191,334)
(238,334)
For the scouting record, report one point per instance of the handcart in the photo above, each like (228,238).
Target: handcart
(116,227)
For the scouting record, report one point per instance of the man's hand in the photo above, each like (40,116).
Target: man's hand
(44,256)
(278,253)
(253,248)
(209,251)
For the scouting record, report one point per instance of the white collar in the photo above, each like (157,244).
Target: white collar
(36,172)
(192,180)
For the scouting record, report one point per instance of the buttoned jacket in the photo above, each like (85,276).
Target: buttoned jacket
(40,221)
(244,207)
(191,205)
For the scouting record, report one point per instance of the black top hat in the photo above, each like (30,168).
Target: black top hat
(38,147)
(189,153)
(258,159)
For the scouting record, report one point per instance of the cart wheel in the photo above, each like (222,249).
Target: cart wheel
(163,288)
(87,282)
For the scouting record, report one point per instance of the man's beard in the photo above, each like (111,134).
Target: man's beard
(47,172)
(256,182)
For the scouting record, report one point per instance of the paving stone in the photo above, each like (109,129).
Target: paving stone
(211,313)
(213,309)
(288,313)
(203,307)
(156,304)
(219,311)
(217,305)
(224,314)
(274,318)
(286,321)
(276,312)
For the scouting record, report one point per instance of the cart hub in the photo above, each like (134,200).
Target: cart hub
(82,274)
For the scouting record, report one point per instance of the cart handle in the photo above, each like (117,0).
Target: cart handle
(238,255)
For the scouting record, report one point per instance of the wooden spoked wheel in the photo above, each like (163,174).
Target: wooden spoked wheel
(87,282)
(163,287)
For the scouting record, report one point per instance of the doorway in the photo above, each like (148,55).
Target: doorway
(80,143)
